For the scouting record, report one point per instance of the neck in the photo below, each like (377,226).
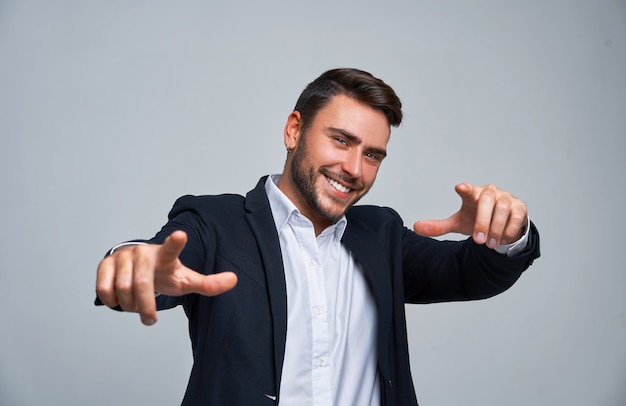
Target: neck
(289,189)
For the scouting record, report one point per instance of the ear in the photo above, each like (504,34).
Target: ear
(293,129)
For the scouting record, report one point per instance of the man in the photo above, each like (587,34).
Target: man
(294,295)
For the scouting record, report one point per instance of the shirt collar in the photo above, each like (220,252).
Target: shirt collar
(285,212)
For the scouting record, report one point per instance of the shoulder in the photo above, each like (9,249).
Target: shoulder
(373,213)
(374,216)
(207,204)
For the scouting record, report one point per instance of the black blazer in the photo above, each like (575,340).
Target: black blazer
(238,338)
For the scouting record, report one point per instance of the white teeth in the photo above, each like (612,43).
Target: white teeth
(338,186)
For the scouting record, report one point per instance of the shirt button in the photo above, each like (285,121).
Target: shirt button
(320,362)
(311,262)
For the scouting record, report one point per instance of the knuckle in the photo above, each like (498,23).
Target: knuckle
(482,221)
(137,251)
(503,205)
(490,189)
(123,286)
(518,218)
(121,260)
(101,272)
(143,282)
(487,194)
(519,205)
(495,232)
(106,261)
(104,291)
(482,226)
(141,248)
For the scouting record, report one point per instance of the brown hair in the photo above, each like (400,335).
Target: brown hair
(357,84)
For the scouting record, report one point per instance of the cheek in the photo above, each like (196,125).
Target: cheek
(369,174)
(331,156)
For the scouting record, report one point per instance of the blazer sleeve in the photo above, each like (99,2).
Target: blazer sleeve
(442,271)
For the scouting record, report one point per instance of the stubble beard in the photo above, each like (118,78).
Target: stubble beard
(304,177)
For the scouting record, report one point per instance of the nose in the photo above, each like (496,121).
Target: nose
(352,163)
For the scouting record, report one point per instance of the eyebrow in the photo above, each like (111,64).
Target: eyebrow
(356,140)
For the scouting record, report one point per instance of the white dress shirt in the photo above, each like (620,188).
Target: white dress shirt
(330,354)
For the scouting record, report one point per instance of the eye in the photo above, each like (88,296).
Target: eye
(372,156)
(341,141)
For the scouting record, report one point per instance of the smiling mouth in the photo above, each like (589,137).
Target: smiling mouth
(337,185)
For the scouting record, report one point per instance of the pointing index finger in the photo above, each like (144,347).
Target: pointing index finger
(172,247)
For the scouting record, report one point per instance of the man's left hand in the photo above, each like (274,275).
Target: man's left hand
(490,215)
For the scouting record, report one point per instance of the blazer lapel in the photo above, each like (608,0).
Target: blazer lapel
(259,217)
(366,248)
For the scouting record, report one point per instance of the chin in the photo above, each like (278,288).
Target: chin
(335,212)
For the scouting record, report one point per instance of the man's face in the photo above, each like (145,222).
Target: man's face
(335,162)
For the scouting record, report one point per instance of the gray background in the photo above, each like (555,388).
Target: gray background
(109,110)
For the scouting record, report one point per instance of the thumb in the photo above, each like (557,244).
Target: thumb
(433,228)
(210,285)
(466,190)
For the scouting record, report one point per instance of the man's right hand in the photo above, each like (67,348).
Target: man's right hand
(132,274)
